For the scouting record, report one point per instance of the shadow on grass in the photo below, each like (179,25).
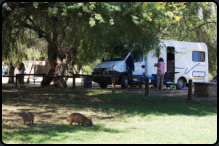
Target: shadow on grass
(135,104)
(50,100)
(104,101)
(51,132)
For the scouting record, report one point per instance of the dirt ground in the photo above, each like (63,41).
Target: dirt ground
(152,92)
(165,92)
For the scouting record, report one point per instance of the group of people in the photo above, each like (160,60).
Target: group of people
(160,70)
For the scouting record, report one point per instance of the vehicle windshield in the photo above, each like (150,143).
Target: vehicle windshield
(117,57)
(138,56)
(119,53)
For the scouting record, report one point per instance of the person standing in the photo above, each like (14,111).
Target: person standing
(21,71)
(160,73)
(130,67)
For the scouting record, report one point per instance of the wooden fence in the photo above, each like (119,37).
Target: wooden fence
(74,76)
(108,76)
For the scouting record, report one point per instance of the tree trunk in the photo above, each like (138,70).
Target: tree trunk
(69,71)
(76,72)
(70,62)
(32,66)
(48,80)
(11,72)
(59,71)
(58,68)
(57,65)
(79,66)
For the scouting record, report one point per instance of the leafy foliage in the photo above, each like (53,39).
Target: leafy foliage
(93,29)
(199,24)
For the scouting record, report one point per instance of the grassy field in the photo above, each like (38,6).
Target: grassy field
(117,118)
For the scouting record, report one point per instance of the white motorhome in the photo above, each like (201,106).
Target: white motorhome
(190,59)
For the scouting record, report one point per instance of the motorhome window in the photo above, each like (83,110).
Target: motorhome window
(198,56)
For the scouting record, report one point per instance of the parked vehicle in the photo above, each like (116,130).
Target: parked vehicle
(189,59)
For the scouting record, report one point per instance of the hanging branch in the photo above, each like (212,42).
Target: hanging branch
(39,31)
(201,25)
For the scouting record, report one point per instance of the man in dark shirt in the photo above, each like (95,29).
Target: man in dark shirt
(130,67)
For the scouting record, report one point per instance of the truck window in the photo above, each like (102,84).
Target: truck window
(116,56)
(138,56)
(198,56)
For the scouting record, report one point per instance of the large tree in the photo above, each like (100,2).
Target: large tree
(199,24)
(80,32)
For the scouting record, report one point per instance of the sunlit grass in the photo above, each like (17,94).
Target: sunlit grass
(117,118)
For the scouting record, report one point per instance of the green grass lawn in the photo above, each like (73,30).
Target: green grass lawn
(117,118)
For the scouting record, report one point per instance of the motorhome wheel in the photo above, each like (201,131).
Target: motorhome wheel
(180,83)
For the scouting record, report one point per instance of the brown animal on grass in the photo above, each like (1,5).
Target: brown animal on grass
(27,117)
(79,118)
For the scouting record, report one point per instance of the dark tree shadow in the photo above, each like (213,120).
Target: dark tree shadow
(127,103)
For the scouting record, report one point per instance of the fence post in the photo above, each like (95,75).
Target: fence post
(190,90)
(73,81)
(43,81)
(146,86)
(16,81)
(113,84)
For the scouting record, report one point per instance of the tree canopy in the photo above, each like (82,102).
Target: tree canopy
(89,26)
(201,26)
(84,31)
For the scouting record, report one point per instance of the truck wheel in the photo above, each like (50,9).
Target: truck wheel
(103,85)
(180,83)
(124,82)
